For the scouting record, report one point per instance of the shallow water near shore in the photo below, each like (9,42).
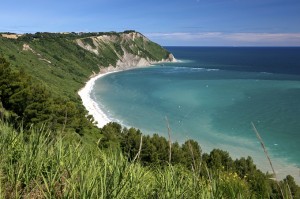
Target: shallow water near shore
(212,96)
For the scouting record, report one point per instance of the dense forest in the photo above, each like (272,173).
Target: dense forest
(48,140)
(29,102)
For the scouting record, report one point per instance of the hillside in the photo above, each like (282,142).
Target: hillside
(47,139)
(46,70)
(64,61)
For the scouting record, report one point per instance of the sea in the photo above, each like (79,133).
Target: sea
(213,95)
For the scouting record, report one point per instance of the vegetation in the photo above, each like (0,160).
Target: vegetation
(58,68)
(62,65)
(49,149)
(30,102)
(155,153)
(39,164)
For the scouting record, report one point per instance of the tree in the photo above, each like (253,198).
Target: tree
(244,166)
(130,142)
(177,154)
(290,184)
(192,154)
(29,101)
(111,135)
(219,160)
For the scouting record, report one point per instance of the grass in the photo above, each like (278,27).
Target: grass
(39,164)
(267,155)
(63,66)
(286,193)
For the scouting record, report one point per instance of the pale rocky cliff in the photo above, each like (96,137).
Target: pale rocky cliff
(129,49)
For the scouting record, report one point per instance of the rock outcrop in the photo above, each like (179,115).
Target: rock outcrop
(129,49)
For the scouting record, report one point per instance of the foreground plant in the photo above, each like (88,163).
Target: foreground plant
(37,163)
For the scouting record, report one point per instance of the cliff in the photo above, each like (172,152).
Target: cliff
(64,61)
(129,49)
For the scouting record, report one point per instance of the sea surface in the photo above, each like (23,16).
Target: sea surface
(212,95)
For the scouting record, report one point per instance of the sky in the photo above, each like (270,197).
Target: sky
(167,22)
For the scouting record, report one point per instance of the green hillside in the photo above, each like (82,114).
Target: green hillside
(49,147)
(54,66)
(64,66)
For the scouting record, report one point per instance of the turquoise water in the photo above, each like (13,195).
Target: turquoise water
(212,96)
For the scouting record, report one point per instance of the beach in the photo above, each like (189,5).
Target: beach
(214,107)
(91,106)
(128,62)
(100,118)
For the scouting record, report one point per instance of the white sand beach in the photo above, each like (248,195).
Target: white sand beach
(85,93)
(128,62)
(91,106)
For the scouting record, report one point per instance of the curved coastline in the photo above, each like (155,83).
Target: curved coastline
(100,118)
(91,106)
(282,167)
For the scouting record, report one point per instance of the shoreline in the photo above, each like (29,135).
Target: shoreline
(90,105)
(282,167)
(100,118)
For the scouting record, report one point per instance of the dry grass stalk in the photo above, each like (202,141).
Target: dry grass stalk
(268,157)
(289,189)
(192,154)
(170,141)
(140,149)
(65,122)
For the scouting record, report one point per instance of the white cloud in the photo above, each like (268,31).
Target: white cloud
(256,37)
(270,39)
(185,36)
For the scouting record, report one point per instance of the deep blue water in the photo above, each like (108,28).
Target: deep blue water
(281,60)
(212,95)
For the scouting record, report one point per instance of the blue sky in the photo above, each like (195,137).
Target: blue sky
(176,22)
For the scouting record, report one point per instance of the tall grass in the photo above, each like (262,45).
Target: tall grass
(38,164)
(284,189)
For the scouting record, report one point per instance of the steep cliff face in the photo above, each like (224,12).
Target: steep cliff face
(129,49)
(64,61)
